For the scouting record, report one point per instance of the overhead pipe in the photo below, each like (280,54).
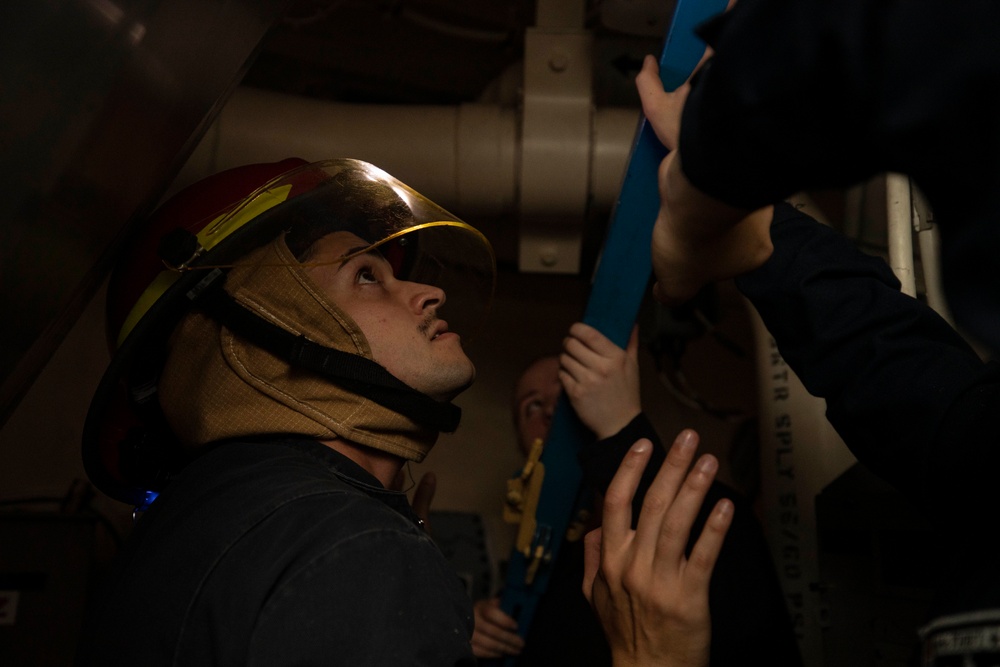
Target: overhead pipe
(466,157)
(929,242)
(899,211)
(545,157)
(461,156)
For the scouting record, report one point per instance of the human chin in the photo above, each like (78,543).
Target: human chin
(456,380)
(442,374)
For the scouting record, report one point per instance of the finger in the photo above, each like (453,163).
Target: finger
(660,496)
(498,616)
(648,83)
(706,550)
(591,562)
(591,356)
(576,376)
(679,519)
(653,99)
(583,353)
(701,61)
(509,642)
(498,638)
(486,647)
(633,344)
(483,652)
(593,339)
(649,75)
(571,372)
(491,633)
(423,496)
(616,523)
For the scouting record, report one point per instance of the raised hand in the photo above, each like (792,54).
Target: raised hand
(651,599)
(495,633)
(600,379)
(697,239)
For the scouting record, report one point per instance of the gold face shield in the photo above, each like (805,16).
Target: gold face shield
(423,242)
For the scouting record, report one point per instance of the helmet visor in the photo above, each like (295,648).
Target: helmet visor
(446,254)
(423,242)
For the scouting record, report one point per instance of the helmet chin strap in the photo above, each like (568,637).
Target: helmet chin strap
(352,372)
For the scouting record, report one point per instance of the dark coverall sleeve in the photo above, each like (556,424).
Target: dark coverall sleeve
(823,93)
(907,394)
(804,94)
(750,620)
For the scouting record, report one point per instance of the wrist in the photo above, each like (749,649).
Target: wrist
(612,427)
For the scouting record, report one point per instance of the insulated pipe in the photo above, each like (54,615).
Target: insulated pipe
(899,212)
(464,157)
(611,142)
(928,242)
(800,455)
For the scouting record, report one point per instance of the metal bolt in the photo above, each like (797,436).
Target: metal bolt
(558,62)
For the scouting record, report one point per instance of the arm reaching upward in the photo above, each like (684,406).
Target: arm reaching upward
(696,239)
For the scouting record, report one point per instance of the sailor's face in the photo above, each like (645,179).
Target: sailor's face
(398,318)
(535,397)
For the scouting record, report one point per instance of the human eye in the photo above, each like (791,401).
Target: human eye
(532,408)
(366,275)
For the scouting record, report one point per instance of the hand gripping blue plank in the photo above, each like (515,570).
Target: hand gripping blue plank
(616,295)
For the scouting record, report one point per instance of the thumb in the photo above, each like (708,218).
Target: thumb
(633,343)
(591,562)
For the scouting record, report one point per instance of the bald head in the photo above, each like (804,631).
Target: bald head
(535,395)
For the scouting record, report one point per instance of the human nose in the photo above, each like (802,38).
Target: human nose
(424,297)
(550,404)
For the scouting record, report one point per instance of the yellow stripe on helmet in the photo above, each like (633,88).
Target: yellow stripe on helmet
(210,236)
